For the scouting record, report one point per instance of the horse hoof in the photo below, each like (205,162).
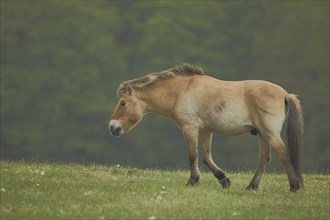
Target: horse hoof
(225,182)
(192,181)
(252,187)
(295,187)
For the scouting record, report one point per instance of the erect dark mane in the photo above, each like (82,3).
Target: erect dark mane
(186,69)
(144,81)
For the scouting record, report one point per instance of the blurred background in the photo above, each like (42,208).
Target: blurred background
(62,62)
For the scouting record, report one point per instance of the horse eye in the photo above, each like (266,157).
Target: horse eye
(122,103)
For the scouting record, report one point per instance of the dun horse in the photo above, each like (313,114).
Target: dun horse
(202,105)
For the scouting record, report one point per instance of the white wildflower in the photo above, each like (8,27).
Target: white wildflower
(41,172)
(159,198)
(118,165)
(3,190)
(152,218)
(88,193)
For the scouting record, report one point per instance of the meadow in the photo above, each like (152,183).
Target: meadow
(92,191)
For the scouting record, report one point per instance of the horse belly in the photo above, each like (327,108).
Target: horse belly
(230,123)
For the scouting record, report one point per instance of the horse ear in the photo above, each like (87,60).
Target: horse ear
(129,89)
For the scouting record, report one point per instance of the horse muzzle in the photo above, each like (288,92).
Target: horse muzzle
(115,128)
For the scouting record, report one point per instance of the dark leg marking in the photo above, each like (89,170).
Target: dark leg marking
(223,179)
(194,175)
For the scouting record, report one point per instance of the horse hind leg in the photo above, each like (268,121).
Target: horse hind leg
(264,158)
(277,144)
(206,141)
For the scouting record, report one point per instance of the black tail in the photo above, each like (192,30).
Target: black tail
(295,131)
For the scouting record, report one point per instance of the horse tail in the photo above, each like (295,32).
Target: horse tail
(295,131)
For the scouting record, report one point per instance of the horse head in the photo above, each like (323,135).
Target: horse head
(128,112)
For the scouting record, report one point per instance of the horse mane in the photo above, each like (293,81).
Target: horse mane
(144,81)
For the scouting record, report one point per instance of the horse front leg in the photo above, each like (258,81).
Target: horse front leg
(191,137)
(206,140)
(264,158)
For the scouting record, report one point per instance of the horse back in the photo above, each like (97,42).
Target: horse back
(230,107)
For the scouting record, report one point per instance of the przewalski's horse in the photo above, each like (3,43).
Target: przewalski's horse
(202,105)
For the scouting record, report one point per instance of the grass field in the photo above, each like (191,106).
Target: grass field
(71,191)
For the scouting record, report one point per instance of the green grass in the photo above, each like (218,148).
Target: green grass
(57,191)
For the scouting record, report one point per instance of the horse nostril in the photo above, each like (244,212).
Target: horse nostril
(117,131)
(115,128)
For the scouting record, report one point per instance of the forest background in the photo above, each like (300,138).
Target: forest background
(62,61)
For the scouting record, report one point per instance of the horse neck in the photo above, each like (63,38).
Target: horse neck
(161,97)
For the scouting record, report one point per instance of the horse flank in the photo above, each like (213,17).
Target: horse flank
(142,82)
